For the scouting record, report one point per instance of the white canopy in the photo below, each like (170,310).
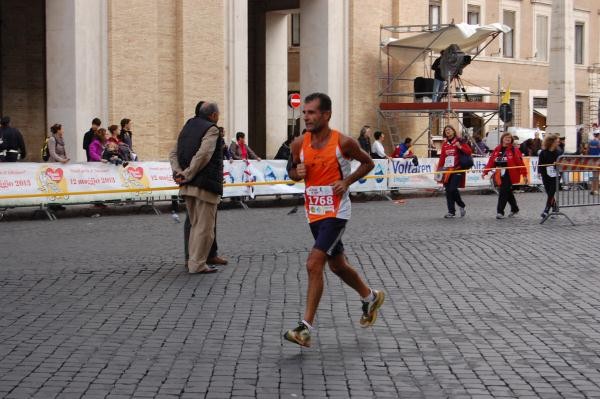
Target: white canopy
(466,36)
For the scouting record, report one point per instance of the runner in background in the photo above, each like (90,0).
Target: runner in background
(548,156)
(450,160)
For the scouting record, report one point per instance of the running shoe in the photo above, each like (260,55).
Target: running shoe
(449,215)
(499,216)
(463,212)
(513,214)
(544,214)
(299,335)
(370,309)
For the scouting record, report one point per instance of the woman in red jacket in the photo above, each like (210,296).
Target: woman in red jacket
(453,146)
(509,165)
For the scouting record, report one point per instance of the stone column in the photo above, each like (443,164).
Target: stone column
(324,43)
(236,65)
(76,68)
(561,85)
(276,46)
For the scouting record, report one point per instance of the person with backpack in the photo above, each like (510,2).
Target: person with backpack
(509,165)
(454,150)
(56,145)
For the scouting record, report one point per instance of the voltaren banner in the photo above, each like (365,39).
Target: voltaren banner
(39,183)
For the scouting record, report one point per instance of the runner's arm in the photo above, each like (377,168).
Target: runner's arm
(352,150)
(295,158)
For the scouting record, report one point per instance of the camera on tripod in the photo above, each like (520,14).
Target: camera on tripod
(452,62)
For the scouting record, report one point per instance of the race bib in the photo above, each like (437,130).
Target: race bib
(551,171)
(321,200)
(449,162)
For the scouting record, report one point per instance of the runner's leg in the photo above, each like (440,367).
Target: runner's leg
(340,266)
(314,266)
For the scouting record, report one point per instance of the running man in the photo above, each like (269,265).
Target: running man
(322,158)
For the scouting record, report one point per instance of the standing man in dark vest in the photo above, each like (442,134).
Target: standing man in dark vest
(198,169)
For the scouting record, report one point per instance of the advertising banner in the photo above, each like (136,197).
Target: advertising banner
(39,183)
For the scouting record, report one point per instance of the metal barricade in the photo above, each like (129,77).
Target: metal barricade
(577,178)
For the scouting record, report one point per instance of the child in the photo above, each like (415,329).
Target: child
(113,155)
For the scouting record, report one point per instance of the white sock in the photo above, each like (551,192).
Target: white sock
(369,298)
(310,328)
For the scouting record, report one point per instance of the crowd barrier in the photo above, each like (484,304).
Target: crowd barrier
(34,184)
(577,181)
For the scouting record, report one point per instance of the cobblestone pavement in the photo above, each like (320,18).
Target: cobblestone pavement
(475,307)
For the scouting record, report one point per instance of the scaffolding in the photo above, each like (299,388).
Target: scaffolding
(457,105)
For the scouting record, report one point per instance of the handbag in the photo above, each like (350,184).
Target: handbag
(465,161)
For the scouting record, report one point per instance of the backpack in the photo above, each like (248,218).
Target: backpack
(45,152)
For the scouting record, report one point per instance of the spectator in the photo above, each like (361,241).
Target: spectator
(240,150)
(594,150)
(284,151)
(548,156)
(12,145)
(226,154)
(56,145)
(126,135)
(404,150)
(449,160)
(96,147)
(377,150)
(536,144)
(114,136)
(111,154)
(561,145)
(480,148)
(526,147)
(364,140)
(438,81)
(595,128)
(197,164)
(213,256)
(88,137)
(509,165)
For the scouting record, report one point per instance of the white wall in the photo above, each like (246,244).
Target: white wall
(276,47)
(237,67)
(561,85)
(324,42)
(76,67)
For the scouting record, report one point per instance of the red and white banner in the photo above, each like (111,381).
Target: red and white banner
(39,183)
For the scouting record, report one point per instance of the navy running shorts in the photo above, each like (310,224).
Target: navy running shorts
(328,235)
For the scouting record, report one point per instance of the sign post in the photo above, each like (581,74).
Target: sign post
(294,101)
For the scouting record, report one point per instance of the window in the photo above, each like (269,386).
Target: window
(579,112)
(435,13)
(473,13)
(508,40)
(579,43)
(540,102)
(541,38)
(295,30)
(473,18)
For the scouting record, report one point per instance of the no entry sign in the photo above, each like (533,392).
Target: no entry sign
(294,100)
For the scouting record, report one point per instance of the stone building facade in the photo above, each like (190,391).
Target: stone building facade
(69,61)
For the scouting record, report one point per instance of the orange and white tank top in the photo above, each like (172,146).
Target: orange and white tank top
(323,167)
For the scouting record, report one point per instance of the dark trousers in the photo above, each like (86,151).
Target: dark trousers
(187,226)
(550,187)
(452,193)
(506,195)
